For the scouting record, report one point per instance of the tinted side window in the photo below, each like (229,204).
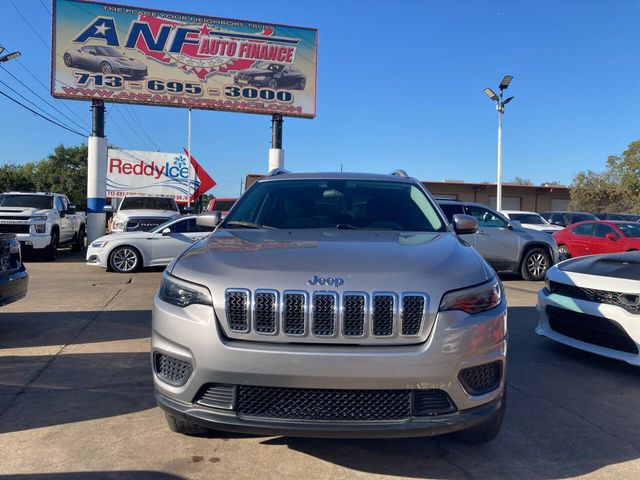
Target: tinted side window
(59,204)
(602,230)
(451,210)
(486,218)
(180,227)
(586,229)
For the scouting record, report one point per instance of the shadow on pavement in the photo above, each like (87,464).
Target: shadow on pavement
(72,388)
(31,329)
(570,413)
(116,474)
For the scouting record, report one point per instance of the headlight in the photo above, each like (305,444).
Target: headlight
(475,299)
(259,77)
(99,244)
(182,293)
(38,219)
(117,226)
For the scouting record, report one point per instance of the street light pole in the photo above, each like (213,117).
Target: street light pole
(500,103)
(189,161)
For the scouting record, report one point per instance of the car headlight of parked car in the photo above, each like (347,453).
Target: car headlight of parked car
(117,226)
(476,299)
(99,244)
(40,224)
(260,78)
(181,293)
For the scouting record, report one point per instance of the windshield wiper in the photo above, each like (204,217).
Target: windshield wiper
(237,223)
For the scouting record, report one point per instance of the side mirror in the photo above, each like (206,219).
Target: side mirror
(108,209)
(71,209)
(166,232)
(209,220)
(611,237)
(464,224)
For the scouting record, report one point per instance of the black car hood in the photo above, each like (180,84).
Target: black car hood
(620,265)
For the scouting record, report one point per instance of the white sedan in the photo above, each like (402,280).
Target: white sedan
(531,220)
(129,251)
(593,303)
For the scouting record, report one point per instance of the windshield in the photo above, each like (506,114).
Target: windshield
(109,52)
(346,204)
(581,217)
(630,229)
(41,202)
(223,205)
(148,203)
(530,218)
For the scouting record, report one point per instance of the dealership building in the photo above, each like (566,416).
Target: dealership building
(536,198)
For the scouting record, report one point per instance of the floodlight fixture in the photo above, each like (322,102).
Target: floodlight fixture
(505,82)
(491,94)
(9,56)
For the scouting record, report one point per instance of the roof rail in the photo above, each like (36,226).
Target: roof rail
(399,173)
(277,171)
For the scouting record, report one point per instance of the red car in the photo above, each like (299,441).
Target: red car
(594,237)
(222,205)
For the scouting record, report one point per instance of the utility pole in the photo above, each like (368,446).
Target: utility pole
(500,103)
(96,173)
(189,161)
(276,153)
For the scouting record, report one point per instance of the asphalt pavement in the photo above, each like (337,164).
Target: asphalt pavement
(76,402)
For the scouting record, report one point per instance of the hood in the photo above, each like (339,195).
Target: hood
(130,62)
(114,237)
(367,261)
(252,72)
(529,234)
(9,211)
(145,213)
(625,266)
(542,228)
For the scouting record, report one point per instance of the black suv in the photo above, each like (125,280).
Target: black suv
(13,275)
(564,219)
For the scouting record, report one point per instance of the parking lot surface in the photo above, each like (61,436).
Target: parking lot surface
(76,401)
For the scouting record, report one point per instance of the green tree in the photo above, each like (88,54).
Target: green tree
(64,171)
(521,181)
(626,169)
(598,192)
(17,178)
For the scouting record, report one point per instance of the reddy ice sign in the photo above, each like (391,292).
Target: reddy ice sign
(132,172)
(143,56)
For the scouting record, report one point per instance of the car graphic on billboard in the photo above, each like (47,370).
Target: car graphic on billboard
(104,59)
(272,75)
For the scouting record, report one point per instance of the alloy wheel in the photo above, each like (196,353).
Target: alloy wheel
(124,259)
(537,264)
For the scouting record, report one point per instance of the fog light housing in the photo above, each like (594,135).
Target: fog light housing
(481,378)
(171,370)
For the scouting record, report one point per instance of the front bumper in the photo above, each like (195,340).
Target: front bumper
(29,241)
(457,341)
(97,257)
(629,323)
(13,286)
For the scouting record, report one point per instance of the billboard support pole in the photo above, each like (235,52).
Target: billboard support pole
(189,161)
(276,153)
(96,173)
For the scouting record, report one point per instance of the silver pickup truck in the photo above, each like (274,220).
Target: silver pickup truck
(335,305)
(42,221)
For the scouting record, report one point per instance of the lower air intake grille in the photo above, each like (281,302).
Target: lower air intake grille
(321,404)
(237,310)
(172,370)
(383,315)
(432,402)
(482,378)
(324,314)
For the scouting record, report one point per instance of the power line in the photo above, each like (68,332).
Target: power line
(44,100)
(26,99)
(45,7)
(29,23)
(39,115)
(131,128)
(137,119)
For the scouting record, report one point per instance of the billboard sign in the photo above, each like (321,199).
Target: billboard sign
(144,56)
(133,172)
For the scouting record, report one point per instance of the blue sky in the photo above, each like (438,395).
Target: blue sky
(399,86)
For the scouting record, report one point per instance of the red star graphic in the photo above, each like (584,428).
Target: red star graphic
(204,30)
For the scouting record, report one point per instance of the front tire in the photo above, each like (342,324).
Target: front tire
(273,84)
(78,244)
(125,259)
(105,68)
(184,427)
(535,264)
(563,252)
(68,60)
(485,432)
(51,251)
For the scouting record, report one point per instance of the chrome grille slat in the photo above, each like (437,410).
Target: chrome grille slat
(294,313)
(340,317)
(265,311)
(383,314)
(324,313)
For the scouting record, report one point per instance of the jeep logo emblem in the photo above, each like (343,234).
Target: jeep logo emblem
(331,281)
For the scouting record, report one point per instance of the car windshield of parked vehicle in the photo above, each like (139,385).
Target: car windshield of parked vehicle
(529,218)
(336,204)
(41,202)
(109,52)
(630,229)
(223,205)
(148,203)
(581,217)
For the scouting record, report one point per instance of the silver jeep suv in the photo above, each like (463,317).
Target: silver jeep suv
(335,305)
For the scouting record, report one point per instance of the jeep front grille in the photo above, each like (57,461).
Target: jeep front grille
(350,317)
